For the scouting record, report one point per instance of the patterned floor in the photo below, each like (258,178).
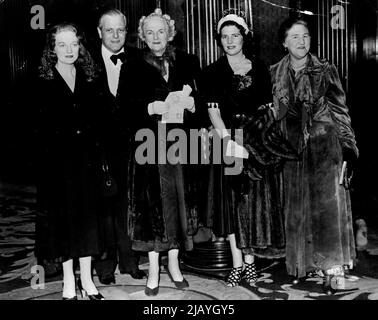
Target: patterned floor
(17,231)
(17,213)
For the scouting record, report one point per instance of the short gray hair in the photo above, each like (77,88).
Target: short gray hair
(166,18)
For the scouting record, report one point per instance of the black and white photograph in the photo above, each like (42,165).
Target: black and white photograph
(188,154)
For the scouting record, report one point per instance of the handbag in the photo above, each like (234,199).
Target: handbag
(109,185)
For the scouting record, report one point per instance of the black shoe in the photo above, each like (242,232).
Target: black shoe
(151,292)
(250,274)
(73,298)
(108,279)
(234,277)
(84,293)
(136,274)
(179,284)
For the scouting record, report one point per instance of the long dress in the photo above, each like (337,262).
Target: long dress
(314,118)
(251,209)
(161,197)
(69,171)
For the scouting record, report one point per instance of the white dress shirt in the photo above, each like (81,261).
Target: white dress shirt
(112,70)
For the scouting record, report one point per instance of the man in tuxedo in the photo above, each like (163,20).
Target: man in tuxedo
(113,53)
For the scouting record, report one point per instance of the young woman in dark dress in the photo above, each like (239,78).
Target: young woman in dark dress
(69,159)
(248,208)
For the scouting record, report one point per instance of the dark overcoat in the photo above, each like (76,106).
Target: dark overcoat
(161,196)
(69,169)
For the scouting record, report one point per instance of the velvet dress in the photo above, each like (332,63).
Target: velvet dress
(251,209)
(68,225)
(314,118)
(161,196)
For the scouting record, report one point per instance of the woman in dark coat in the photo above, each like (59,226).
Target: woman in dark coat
(69,158)
(248,207)
(159,191)
(310,104)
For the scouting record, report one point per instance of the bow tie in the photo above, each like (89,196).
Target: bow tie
(121,56)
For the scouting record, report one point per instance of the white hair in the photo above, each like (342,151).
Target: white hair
(165,17)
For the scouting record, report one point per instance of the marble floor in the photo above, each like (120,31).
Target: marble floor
(18,279)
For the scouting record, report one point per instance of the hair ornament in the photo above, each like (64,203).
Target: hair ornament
(235,15)
(165,17)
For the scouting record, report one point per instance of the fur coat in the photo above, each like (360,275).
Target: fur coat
(314,118)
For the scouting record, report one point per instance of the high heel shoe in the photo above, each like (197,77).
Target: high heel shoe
(65,298)
(179,284)
(234,277)
(327,287)
(73,298)
(152,292)
(249,274)
(84,293)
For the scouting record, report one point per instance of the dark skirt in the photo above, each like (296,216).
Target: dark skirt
(252,210)
(259,217)
(220,202)
(249,208)
(158,208)
(68,225)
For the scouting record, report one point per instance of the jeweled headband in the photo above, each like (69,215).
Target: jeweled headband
(235,18)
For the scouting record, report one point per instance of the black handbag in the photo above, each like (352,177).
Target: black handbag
(109,185)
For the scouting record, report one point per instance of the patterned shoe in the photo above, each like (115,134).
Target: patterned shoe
(249,273)
(234,277)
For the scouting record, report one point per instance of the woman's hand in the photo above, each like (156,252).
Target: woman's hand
(158,107)
(351,159)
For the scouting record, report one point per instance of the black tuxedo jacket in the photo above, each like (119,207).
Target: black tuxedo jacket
(115,130)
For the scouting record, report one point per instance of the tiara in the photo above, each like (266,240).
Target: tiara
(235,15)
(240,13)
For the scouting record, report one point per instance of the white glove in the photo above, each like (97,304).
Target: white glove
(235,150)
(158,107)
(188,103)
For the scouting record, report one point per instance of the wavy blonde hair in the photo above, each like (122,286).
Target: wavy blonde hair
(165,17)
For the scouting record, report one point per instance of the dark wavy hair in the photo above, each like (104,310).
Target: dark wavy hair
(286,26)
(49,58)
(248,43)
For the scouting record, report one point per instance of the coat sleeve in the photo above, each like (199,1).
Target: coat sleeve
(339,111)
(278,110)
(198,119)
(132,98)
